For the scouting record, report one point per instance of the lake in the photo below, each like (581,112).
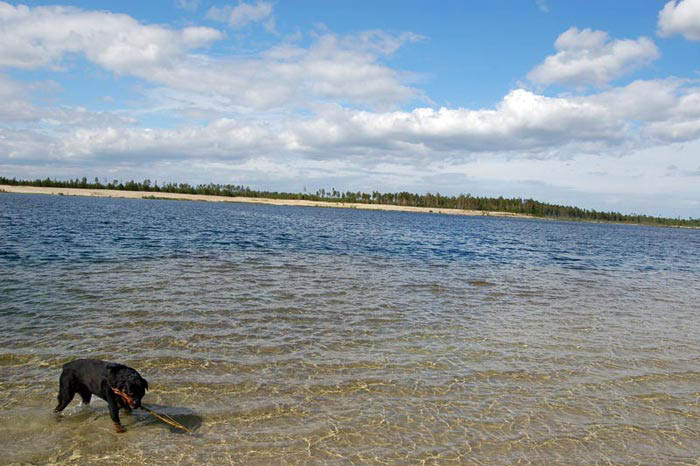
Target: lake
(296,335)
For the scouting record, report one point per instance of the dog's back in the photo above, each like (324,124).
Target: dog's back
(87,372)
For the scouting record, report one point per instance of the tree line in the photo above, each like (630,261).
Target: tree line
(429,200)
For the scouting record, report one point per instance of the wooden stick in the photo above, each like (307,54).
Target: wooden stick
(127,399)
(165,418)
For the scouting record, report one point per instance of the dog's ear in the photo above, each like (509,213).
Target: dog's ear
(111,370)
(114,367)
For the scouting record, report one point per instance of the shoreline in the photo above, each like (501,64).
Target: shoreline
(160,195)
(248,200)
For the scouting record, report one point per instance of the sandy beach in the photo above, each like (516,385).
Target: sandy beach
(252,200)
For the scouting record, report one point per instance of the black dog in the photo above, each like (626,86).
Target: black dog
(120,386)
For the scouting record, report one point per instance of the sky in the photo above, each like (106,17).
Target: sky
(587,103)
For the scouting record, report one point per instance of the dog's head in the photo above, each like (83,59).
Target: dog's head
(129,385)
(134,388)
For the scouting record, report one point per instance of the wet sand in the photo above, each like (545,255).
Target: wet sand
(252,200)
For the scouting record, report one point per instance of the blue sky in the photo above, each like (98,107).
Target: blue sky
(590,103)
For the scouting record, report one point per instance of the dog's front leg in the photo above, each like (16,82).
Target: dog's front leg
(114,414)
(113,408)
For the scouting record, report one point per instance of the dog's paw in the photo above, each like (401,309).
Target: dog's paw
(118,428)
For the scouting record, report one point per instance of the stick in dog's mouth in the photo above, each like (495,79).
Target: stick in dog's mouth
(129,401)
(163,417)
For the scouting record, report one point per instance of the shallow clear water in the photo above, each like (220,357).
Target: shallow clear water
(289,335)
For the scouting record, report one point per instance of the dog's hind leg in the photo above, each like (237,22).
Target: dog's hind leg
(66,392)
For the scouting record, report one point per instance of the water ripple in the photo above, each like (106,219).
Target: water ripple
(313,336)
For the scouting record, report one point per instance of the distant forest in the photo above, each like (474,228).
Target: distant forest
(463,201)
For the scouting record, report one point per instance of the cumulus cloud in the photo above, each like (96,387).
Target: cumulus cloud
(242,14)
(680,17)
(641,100)
(42,36)
(587,57)
(674,131)
(332,67)
(221,139)
(523,124)
(664,111)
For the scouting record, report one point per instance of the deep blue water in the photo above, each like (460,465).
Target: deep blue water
(69,231)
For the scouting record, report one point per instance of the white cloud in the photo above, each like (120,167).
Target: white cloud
(42,36)
(332,67)
(680,18)
(17,108)
(379,42)
(586,57)
(640,172)
(247,101)
(674,131)
(196,37)
(14,106)
(188,5)
(242,14)
(523,125)
(641,100)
